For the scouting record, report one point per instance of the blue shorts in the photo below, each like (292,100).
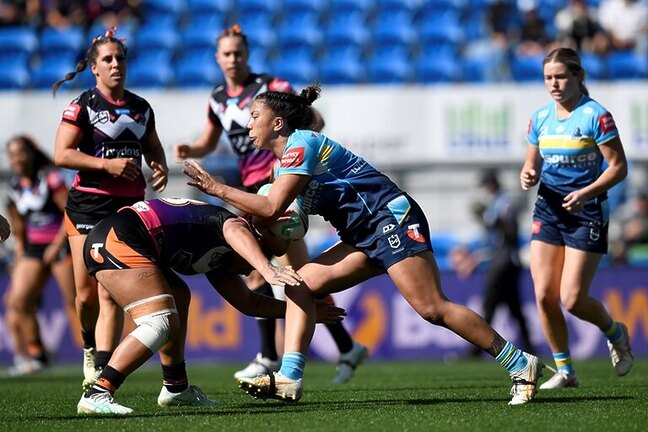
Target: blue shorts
(586,230)
(398,231)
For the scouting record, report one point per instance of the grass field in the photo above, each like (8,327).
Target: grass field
(407,396)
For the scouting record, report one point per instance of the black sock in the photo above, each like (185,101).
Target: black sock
(175,377)
(102,358)
(341,337)
(267,328)
(88,337)
(109,380)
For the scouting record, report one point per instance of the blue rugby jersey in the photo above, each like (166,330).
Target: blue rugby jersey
(569,147)
(344,188)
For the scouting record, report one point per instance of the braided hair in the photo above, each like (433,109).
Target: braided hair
(295,109)
(91,55)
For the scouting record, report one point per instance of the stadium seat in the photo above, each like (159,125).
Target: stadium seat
(197,70)
(527,68)
(18,42)
(397,6)
(153,37)
(296,69)
(341,7)
(167,11)
(196,8)
(318,8)
(390,68)
(300,33)
(346,30)
(434,68)
(343,67)
(594,66)
(62,42)
(443,37)
(48,72)
(142,73)
(15,74)
(259,30)
(626,65)
(271,9)
(394,31)
(201,32)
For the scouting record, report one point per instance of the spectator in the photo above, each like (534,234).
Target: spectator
(631,232)
(578,28)
(499,218)
(65,13)
(533,37)
(113,13)
(19,12)
(626,24)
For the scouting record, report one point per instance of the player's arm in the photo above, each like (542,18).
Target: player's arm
(205,144)
(530,173)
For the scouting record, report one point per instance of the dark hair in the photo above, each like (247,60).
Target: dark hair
(40,159)
(234,31)
(91,55)
(570,58)
(295,109)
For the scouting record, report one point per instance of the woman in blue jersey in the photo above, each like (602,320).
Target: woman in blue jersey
(569,140)
(35,205)
(382,230)
(229,112)
(135,253)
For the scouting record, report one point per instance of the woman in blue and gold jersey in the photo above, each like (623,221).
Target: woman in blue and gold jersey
(569,139)
(382,230)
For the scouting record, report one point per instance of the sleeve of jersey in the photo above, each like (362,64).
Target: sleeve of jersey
(280,85)
(531,134)
(605,128)
(74,115)
(55,180)
(299,157)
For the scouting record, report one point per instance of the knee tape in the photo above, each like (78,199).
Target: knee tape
(152,318)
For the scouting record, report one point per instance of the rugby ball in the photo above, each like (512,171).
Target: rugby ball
(294,223)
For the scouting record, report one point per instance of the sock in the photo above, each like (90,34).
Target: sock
(511,358)
(614,332)
(175,377)
(564,362)
(267,328)
(102,358)
(341,337)
(88,337)
(109,381)
(36,351)
(292,365)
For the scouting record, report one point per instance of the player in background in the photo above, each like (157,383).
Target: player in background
(568,141)
(35,205)
(382,230)
(5,229)
(104,134)
(135,254)
(229,112)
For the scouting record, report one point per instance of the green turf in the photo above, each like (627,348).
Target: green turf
(408,396)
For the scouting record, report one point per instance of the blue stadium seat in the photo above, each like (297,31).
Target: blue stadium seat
(296,69)
(196,8)
(394,31)
(364,7)
(474,69)
(15,74)
(271,9)
(343,67)
(48,72)
(390,68)
(18,42)
(68,42)
(260,31)
(158,11)
(300,33)
(153,37)
(527,68)
(443,36)
(434,68)
(397,6)
(626,65)
(318,8)
(201,33)
(125,30)
(142,73)
(197,70)
(594,66)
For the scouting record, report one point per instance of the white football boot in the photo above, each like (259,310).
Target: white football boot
(259,366)
(191,396)
(101,403)
(349,362)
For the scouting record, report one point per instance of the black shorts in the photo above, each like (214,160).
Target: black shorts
(586,230)
(120,241)
(84,210)
(37,251)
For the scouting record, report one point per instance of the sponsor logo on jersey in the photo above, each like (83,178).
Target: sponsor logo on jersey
(387,228)
(293,158)
(536,227)
(394,241)
(121,111)
(72,112)
(606,122)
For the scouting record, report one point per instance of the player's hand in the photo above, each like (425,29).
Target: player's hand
(200,178)
(5,229)
(528,179)
(280,275)
(328,313)
(123,168)
(160,176)
(575,201)
(181,152)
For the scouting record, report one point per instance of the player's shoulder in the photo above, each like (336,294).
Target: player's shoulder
(591,106)
(543,112)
